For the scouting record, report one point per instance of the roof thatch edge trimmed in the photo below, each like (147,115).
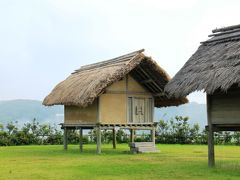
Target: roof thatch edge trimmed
(57,97)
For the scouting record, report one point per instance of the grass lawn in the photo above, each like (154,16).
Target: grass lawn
(174,162)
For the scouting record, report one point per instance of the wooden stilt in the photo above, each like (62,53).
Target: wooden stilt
(81,139)
(211,156)
(114,138)
(98,140)
(65,139)
(132,135)
(153,135)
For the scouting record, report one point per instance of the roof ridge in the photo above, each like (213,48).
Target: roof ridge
(227,28)
(214,66)
(220,40)
(113,60)
(94,68)
(224,33)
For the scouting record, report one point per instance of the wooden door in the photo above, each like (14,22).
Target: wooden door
(139,110)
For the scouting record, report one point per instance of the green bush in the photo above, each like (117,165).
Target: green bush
(174,131)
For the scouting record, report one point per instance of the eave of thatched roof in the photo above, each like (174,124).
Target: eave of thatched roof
(214,66)
(84,85)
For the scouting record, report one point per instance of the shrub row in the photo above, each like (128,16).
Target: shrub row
(174,131)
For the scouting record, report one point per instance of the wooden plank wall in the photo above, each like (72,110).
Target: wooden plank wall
(75,114)
(116,102)
(226,107)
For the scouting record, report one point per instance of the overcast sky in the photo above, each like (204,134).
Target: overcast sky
(43,41)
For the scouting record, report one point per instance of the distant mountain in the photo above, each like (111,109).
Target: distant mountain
(26,110)
(196,112)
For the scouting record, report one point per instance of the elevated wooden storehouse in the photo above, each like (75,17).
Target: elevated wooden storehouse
(121,92)
(214,68)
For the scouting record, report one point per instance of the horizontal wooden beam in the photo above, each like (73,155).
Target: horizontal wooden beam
(224,33)
(160,94)
(225,127)
(226,28)
(110,126)
(77,126)
(146,81)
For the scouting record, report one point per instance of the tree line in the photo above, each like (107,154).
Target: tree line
(174,131)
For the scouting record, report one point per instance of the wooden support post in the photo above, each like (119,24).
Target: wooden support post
(132,135)
(211,156)
(81,139)
(98,140)
(153,135)
(65,138)
(114,138)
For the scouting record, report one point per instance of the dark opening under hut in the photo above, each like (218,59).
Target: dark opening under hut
(117,93)
(214,68)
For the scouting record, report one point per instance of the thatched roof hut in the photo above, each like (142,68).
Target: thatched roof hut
(84,85)
(119,92)
(214,66)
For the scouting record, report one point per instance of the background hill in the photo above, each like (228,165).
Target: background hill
(196,112)
(25,110)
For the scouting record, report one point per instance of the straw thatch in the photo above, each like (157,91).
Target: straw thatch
(83,86)
(214,66)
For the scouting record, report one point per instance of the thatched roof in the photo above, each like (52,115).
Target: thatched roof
(84,85)
(214,66)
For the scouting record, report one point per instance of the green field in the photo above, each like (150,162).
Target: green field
(174,162)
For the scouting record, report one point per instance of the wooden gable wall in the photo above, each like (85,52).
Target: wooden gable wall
(112,107)
(225,107)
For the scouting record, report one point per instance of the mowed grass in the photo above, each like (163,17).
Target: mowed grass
(173,162)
